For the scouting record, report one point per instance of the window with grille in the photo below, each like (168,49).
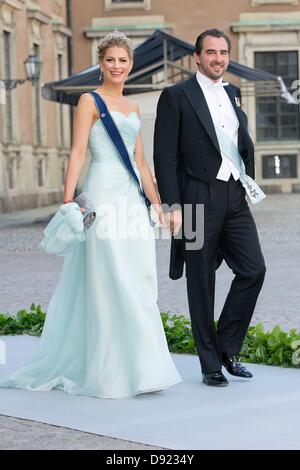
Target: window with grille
(279,166)
(7,76)
(41,172)
(37,101)
(11,174)
(275,118)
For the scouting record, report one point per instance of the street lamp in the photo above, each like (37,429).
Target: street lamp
(32,67)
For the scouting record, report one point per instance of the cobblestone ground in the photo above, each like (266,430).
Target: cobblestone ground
(28,275)
(21,434)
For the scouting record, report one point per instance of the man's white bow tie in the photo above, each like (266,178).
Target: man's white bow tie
(219,84)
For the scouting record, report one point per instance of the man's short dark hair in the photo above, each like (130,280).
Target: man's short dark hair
(216,33)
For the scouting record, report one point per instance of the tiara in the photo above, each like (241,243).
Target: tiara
(116,34)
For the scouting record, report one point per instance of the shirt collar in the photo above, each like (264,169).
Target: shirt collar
(206,82)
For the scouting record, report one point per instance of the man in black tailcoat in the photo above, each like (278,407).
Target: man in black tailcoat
(193,168)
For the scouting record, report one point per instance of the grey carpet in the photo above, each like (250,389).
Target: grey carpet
(262,413)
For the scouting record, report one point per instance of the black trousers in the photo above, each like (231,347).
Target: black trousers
(229,226)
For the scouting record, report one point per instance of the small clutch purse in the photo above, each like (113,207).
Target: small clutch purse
(90,212)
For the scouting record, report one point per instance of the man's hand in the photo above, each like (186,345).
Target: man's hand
(173,221)
(159,211)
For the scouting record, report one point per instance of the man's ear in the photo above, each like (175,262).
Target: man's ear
(196,58)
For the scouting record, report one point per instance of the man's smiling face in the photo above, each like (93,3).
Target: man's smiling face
(214,57)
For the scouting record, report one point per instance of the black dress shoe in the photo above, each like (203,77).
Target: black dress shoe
(216,379)
(234,367)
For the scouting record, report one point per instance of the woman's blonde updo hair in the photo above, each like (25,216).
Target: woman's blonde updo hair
(115,39)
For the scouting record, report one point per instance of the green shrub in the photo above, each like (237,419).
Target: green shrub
(24,323)
(273,348)
(178,333)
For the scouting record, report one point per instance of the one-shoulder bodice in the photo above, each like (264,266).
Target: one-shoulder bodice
(101,148)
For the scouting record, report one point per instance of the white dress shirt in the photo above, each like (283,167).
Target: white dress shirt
(224,116)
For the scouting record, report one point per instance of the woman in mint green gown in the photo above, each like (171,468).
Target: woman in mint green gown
(103,334)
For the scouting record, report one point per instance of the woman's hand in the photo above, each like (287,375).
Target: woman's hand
(82,210)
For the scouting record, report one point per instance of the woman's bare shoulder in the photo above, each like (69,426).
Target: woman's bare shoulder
(86,102)
(85,98)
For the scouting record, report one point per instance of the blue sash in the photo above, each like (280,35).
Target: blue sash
(116,138)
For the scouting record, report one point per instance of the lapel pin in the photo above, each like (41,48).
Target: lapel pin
(237,101)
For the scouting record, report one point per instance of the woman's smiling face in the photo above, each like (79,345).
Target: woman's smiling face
(116,64)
